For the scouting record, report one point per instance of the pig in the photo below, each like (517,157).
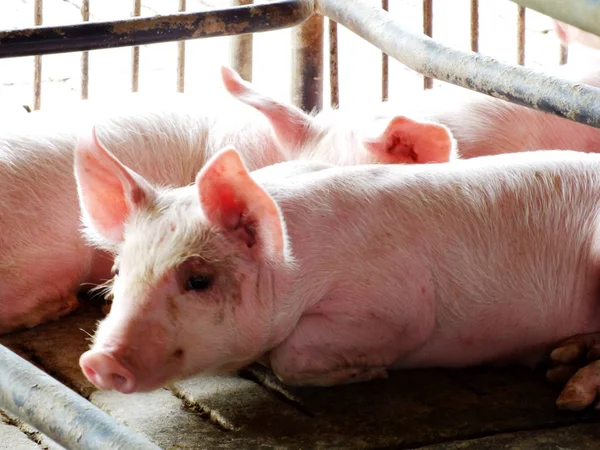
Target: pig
(44,259)
(569,34)
(333,275)
(482,125)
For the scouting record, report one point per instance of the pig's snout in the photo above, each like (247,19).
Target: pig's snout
(106,372)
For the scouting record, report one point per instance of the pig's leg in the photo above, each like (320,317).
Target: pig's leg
(570,361)
(328,350)
(582,389)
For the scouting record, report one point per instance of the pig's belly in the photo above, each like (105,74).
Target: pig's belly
(510,334)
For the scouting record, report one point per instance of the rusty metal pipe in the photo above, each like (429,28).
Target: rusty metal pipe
(307,64)
(480,73)
(67,418)
(150,30)
(584,14)
(242,50)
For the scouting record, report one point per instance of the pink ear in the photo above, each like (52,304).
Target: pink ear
(108,191)
(236,204)
(290,124)
(409,141)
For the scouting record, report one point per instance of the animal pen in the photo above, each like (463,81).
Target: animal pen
(45,402)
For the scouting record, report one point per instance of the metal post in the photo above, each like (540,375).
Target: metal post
(241,49)
(37,60)
(334,80)
(307,64)
(181,56)
(85,56)
(521,36)
(428,30)
(385,64)
(135,52)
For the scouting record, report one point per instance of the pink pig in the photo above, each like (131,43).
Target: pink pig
(336,275)
(43,257)
(484,125)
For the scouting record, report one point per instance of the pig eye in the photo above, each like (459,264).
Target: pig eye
(199,282)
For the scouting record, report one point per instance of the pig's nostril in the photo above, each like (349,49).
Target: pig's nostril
(107,372)
(119,381)
(178,353)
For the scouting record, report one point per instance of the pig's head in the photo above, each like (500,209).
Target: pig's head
(389,140)
(196,270)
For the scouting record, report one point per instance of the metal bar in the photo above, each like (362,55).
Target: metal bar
(150,30)
(564,55)
(37,61)
(334,79)
(521,36)
(181,56)
(67,418)
(517,84)
(85,57)
(385,65)
(428,30)
(584,14)
(241,49)
(135,52)
(307,64)
(474,25)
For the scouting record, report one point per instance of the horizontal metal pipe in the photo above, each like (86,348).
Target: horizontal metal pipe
(150,30)
(480,73)
(584,14)
(67,418)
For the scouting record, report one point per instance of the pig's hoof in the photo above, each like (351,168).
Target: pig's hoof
(581,390)
(576,347)
(573,354)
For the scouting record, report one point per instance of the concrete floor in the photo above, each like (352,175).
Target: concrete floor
(480,408)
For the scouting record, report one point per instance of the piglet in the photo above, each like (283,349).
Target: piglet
(43,257)
(336,275)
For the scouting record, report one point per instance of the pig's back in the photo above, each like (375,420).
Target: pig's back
(510,246)
(167,143)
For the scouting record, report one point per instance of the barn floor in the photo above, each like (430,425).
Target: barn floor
(481,408)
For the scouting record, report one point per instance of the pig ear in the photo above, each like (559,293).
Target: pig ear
(406,140)
(108,191)
(290,124)
(235,203)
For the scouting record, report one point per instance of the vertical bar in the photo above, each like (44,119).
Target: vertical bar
(334,81)
(37,60)
(521,36)
(85,61)
(475,25)
(428,30)
(135,52)
(564,54)
(385,73)
(307,64)
(181,56)
(241,49)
